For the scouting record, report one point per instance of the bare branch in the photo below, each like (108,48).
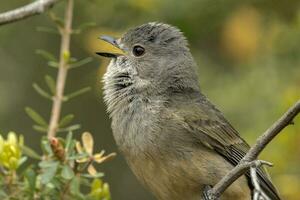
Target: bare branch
(234,174)
(254,151)
(270,133)
(26,11)
(65,32)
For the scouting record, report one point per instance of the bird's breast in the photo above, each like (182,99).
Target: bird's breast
(135,126)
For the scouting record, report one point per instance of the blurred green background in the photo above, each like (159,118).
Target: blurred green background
(248,54)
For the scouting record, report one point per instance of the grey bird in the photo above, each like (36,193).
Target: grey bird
(174,139)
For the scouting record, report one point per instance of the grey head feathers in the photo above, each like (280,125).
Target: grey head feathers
(157,35)
(166,68)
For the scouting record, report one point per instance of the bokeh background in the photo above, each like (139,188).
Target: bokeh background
(248,54)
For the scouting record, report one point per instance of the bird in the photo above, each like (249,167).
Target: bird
(173,138)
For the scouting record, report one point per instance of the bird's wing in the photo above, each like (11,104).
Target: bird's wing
(210,126)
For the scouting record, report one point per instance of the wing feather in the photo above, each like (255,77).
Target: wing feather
(207,121)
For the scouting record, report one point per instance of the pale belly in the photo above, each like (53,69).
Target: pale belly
(185,178)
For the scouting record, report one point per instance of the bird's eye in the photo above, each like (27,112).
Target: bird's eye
(138,51)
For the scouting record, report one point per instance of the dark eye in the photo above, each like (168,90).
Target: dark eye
(138,51)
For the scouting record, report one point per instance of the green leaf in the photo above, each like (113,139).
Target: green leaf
(73,127)
(41,92)
(83,27)
(53,64)
(58,21)
(30,152)
(77,93)
(49,169)
(71,149)
(85,181)
(30,176)
(50,83)
(70,128)
(75,185)
(22,160)
(45,54)
(56,183)
(86,25)
(46,146)
(66,120)
(40,129)
(73,60)
(68,140)
(36,117)
(79,156)
(98,175)
(67,172)
(47,30)
(47,163)
(81,62)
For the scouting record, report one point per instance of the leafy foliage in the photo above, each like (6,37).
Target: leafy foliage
(62,171)
(65,170)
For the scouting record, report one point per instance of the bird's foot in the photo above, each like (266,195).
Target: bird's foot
(207,194)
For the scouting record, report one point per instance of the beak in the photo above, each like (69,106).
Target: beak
(115,51)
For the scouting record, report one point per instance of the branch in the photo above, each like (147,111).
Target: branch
(254,151)
(26,11)
(65,32)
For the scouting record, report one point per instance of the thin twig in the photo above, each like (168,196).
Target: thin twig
(26,11)
(285,120)
(254,151)
(234,174)
(65,32)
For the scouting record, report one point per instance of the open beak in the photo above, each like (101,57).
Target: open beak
(115,51)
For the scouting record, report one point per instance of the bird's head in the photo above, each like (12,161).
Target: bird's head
(152,58)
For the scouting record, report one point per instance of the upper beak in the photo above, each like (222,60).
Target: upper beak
(111,53)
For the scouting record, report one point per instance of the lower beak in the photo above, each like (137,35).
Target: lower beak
(115,49)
